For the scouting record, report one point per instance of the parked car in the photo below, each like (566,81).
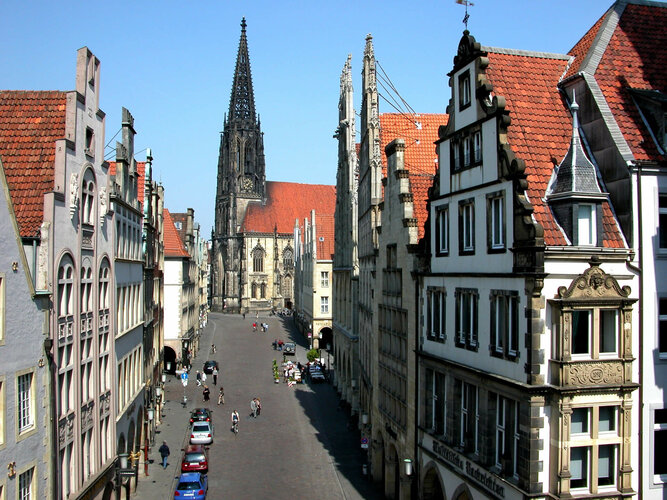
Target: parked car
(290,348)
(195,459)
(192,485)
(209,365)
(201,433)
(200,414)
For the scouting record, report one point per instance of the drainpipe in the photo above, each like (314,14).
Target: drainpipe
(55,456)
(640,254)
(416,487)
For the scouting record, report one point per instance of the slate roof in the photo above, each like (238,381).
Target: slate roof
(286,202)
(540,129)
(629,52)
(173,246)
(183,219)
(30,123)
(419,131)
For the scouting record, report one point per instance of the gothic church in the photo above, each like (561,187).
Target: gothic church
(255,219)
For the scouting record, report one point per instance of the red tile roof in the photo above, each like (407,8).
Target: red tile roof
(141,179)
(325,236)
(419,131)
(635,57)
(540,130)
(30,123)
(173,246)
(286,202)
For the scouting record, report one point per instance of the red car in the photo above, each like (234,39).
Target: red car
(195,459)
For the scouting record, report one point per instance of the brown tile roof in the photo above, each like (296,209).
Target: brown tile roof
(286,202)
(325,236)
(173,246)
(30,123)
(419,131)
(540,130)
(635,57)
(141,178)
(183,219)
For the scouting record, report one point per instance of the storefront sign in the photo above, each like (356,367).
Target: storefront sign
(470,469)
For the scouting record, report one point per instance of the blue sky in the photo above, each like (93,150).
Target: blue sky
(171,64)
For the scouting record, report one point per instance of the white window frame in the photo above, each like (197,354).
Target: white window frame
(477,146)
(324,279)
(25,402)
(662,327)
(324,305)
(662,214)
(497,213)
(26,485)
(467,151)
(468,229)
(587,225)
(657,427)
(442,221)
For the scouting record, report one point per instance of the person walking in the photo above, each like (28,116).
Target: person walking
(235,422)
(198,378)
(164,453)
(253,408)
(215,376)
(221,396)
(259,406)
(207,393)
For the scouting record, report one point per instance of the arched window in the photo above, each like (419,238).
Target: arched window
(86,288)
(262,289)
(65,284)
(103,302)
(258,260)
(253,292)
(288,258)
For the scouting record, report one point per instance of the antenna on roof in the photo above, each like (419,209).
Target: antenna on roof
(467,16)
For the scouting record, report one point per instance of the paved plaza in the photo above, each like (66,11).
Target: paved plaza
(299,447)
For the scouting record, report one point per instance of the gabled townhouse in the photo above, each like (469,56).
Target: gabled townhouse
(126,195)
(313,283)
(153,313)
(25,382)
(188,232)
(620,82)
(345,312)
(179,297)
(527,352)
(375,340)
(52,149)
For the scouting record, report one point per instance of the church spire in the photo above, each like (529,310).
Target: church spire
(242,101)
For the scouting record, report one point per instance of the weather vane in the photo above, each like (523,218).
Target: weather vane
(467,16)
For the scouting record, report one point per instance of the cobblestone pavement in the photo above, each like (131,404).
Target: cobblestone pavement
(299,447)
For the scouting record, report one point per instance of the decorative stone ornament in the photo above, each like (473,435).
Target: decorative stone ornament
(103,203)
(594,283)
(73,194)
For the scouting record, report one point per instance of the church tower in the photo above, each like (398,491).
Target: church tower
(241,180)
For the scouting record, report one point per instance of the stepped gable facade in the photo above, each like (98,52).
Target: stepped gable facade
(527,367)
(52,150)
(253,238)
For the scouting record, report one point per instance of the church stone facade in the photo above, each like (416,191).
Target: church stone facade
(253,237)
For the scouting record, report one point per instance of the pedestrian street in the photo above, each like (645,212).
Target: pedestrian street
(299,445)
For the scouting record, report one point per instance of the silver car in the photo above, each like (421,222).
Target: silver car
(201,433)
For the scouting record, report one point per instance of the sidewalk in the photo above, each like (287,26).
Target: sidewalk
(161,483)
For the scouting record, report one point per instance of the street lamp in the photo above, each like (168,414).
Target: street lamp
(407,467)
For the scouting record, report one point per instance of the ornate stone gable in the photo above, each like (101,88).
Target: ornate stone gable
(594,284)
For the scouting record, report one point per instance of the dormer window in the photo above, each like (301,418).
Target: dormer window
(464,90)
(586,224)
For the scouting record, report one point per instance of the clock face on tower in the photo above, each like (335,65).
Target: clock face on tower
(247,184)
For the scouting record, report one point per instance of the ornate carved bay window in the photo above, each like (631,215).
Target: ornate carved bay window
(592,320)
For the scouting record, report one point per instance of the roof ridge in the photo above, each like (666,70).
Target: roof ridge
(527,53)
(602,37)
